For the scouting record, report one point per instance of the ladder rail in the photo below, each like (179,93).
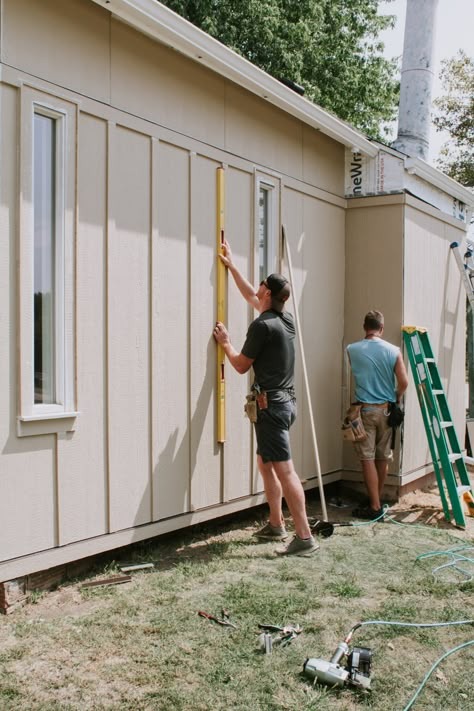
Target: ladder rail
(466,270)
(448,459)
(420,392)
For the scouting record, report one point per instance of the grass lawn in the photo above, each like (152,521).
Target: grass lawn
(142,645)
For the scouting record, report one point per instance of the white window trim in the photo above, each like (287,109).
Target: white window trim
(34,418)
(272,187)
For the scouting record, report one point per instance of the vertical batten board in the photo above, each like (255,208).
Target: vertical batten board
(323,331)
(253,277)
(205,453)
(170,329)
(128,328)
(238,447)
(27,469)
(292,217)
(82,454)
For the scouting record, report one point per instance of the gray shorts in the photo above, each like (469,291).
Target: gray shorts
(272,430)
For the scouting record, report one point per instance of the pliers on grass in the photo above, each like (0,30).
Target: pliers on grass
(224,620)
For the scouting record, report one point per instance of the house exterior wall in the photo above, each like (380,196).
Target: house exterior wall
(152,128)
(374,280)
(398,260)
(430,270)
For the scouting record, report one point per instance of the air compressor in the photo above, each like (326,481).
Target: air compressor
(357,668)
(356,671)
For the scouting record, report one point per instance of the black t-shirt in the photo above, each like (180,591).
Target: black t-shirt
(270,342)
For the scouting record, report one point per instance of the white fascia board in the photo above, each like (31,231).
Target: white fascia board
(159,22)
(416,166)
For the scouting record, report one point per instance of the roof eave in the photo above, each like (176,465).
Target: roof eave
(159,22)
(416,166)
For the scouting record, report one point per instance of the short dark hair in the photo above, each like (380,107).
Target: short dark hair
(279,287)
(373,320)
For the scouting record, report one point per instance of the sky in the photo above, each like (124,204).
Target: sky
(454,31)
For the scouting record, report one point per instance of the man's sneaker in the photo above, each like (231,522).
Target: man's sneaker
(368,513)
(272,533)
(300,546)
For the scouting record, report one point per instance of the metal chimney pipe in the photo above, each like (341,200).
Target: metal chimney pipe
(414,115)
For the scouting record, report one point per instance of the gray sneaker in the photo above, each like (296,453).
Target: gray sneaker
(272,533)
(300,546)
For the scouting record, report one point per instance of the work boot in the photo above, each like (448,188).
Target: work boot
(272,533)
(368,513)
(300,546)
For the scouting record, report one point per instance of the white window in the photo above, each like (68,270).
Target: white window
(46,263)
(267,227)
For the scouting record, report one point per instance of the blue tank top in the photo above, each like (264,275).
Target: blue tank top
(373,362)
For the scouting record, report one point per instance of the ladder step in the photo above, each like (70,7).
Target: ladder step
(448,461)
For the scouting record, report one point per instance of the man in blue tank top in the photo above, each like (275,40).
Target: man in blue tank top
(380,378)
(270,350)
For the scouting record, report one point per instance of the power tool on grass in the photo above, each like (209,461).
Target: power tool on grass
(356,671)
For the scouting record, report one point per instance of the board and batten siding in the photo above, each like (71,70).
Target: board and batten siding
(152,129)
(144,446)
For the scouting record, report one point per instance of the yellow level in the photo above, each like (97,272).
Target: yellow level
(221,315)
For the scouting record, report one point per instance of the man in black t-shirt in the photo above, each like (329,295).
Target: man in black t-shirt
(270,349)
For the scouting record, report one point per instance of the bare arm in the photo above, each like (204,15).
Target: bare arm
(401,376)
(244,286)
(238,361)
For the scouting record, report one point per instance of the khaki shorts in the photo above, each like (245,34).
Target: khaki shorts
(377,443)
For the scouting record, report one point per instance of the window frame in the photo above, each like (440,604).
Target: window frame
(33,417)
(271,186)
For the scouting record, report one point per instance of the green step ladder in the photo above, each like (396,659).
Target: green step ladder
(448,460)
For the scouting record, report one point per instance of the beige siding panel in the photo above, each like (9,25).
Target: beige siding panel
(66,43)
(374,277)
(158,84)
(322,251)
(292,218)
(205,452)
(239,446)
(128,328)
(431,269)
(170,359)
(263,134)
(28,465)
(82,458)
(323,161)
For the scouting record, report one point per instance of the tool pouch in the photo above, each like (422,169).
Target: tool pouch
(262,400)
(250,407)
(395,415)
(395,418)
(353,429)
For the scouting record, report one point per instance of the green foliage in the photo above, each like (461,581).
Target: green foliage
(329,47)
(455,114)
